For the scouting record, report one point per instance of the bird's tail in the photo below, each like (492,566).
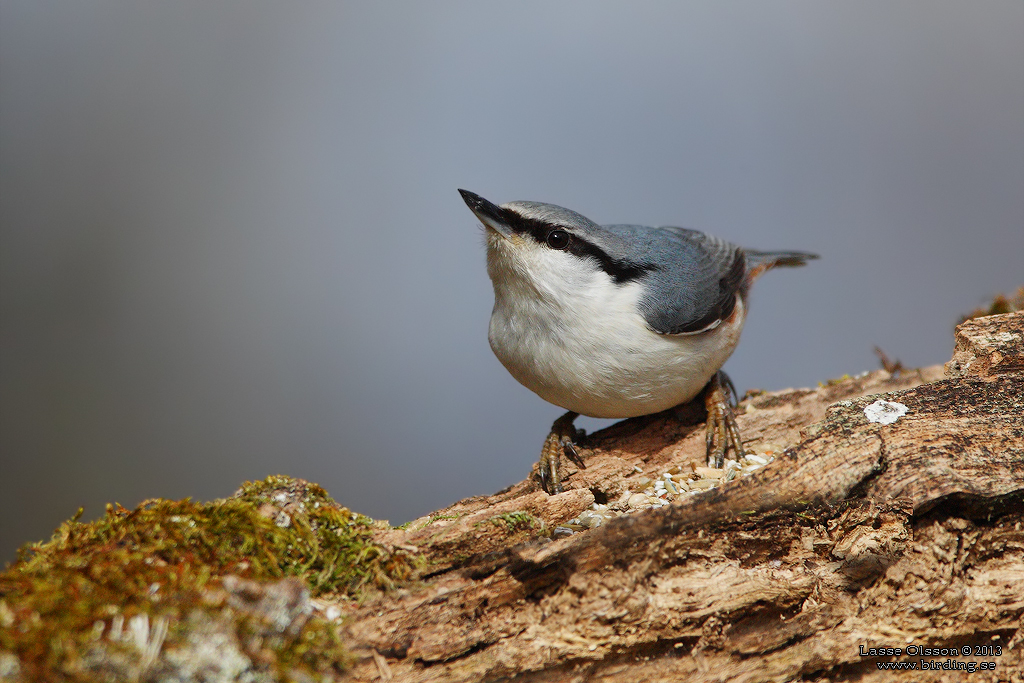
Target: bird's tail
(760,261)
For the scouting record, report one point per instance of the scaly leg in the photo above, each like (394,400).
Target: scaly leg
(562,439)
(722,429)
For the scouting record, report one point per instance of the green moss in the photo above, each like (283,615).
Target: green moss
(516,521)
(833,382)
(408,526)
(437,518)
(163,558)
(326,545)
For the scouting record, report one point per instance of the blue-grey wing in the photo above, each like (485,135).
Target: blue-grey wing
(695,283)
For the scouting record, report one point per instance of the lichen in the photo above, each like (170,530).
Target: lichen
(165,560)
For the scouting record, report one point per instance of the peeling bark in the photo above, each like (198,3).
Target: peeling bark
(858,535)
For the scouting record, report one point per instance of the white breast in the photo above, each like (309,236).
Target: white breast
(578,341)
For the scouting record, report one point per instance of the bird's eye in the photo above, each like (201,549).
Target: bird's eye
(558,239)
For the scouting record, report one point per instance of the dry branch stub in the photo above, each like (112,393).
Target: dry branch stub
(892,520)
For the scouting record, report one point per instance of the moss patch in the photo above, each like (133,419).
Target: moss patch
(158,564)
(517,520)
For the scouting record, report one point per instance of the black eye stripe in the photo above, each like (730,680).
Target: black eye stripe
(536,229)
(619,270)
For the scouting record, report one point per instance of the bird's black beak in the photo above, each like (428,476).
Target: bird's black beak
(491,215)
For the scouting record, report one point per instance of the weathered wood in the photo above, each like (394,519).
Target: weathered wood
(988,346)
(859,534)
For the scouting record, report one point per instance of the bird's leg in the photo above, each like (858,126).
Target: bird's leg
(562,439)
(722,429)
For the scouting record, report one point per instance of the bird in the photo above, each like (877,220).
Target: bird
(616,321)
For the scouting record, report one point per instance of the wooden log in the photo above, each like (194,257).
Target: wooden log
(861,534)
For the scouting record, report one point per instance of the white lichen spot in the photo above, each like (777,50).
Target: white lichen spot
(138,631)
(98,627)
(1005,337)
(10,667)
(885,412)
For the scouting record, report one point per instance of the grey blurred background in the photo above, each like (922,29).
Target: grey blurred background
(232,243)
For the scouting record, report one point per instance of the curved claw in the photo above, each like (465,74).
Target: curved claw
(561,440)
(731,395)
(722,430)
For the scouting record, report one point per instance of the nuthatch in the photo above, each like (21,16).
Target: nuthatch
(616,320)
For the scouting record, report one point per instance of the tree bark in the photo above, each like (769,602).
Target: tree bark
(859,535)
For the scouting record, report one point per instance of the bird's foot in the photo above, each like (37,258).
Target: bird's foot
(564,438)
(723,432)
